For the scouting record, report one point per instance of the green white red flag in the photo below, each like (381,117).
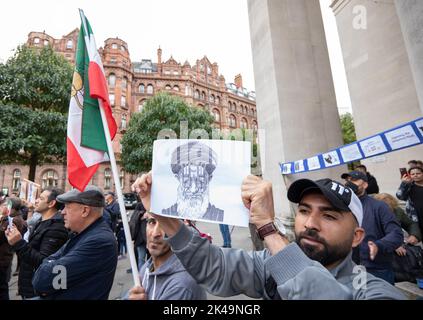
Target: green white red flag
(86,141)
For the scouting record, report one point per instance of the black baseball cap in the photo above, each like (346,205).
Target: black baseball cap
(355,175)
(339,195)
(92,196)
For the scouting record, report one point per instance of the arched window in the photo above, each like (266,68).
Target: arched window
(216,115)
(50,178)
(112,80)
(141,88)
(203,95)
(124,83)
(46,43)
(230,106)
(244,123)
(196,94)
(175,88)
(212,98)
(252,111)
(150,89)
(16,179)
(254,125)
(141,105)
(232,121)
(36,40)
(168,87)
(107,178)
(122,101)
(122,178)
(234,106)
(69,44)
(123,121)
(217,100)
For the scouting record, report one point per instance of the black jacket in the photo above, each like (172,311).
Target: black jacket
(138,226)
(372,184)
(46,238)
(87,261)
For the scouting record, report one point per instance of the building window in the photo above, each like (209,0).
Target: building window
(112,80)
(150,89)
(112,99)
(36,40)
(203,95)
(216,115)
(113,60)
(124,83)
(50,179)
(244,123)
(122,101)
(196,94)
(232,121)
(141,88)
(175,73)
(234,106)
(212,98)
(175,88)
(208,70)
(46,43)
(114,46)
(122,178)
(16,179)
(122,48)
(107,178)
(69,44)
(141,105)
(230,106)
(123,122)
(168,87)
(217,100)
(254,125)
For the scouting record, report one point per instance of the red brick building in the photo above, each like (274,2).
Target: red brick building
(131,83)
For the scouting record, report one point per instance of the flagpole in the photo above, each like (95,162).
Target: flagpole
(111,154)
(128,237)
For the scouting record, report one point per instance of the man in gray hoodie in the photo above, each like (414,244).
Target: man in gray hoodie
(163,277)
(317,266)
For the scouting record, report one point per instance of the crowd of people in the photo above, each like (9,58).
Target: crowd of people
(68,244)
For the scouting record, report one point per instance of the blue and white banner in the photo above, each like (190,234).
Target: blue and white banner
(404,136)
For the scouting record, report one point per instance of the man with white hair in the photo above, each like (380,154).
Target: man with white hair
(193,165)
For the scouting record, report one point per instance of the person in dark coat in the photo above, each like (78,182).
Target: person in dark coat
(6,252)
(112,208)
(48,235)
(372,187)
(138,225)
(84,268)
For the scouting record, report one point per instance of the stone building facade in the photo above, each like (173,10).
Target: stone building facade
(131,84)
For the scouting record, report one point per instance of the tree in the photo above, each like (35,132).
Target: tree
(348,129)
(39,79)
(31,137)
(163,114)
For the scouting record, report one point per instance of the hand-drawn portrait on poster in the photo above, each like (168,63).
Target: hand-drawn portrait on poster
(200,180)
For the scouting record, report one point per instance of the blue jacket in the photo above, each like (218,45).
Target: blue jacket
(89,260)
(381,227)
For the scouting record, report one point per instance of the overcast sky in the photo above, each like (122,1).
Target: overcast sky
(186,29)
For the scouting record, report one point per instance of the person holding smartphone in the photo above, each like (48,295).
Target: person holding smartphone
(411,191)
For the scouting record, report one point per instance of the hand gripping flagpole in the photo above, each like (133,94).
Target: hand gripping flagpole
(111,154)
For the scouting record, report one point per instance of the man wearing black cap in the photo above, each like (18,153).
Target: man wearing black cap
(85,266)
(317,266)
(383,231)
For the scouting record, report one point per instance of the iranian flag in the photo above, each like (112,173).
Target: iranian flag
(86,141)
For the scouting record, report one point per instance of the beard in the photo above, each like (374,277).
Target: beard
(329,254)
(192,206)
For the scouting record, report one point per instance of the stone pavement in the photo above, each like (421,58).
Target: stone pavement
(123,281)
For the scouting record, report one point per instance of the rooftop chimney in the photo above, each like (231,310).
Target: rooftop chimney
(238,81)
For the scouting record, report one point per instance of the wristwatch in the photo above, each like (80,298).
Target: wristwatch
(270,228)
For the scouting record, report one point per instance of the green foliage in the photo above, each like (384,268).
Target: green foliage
(27,135)
(162,112)
(348,130)
(39,79)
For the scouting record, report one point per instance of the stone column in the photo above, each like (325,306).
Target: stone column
(296,103)
(382,90)
(410,14)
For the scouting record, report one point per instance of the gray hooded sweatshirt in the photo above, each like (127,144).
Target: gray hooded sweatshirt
(289,274)
(170,282)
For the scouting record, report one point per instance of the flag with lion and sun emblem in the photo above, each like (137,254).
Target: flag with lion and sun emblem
(86,141)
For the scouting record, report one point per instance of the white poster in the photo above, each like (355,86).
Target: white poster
(32,191)
(313,163)
(331,158)
(373,146)
(350,152)
(22,191)
(299,166)
(286,168)
(402,137)
(200,180)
